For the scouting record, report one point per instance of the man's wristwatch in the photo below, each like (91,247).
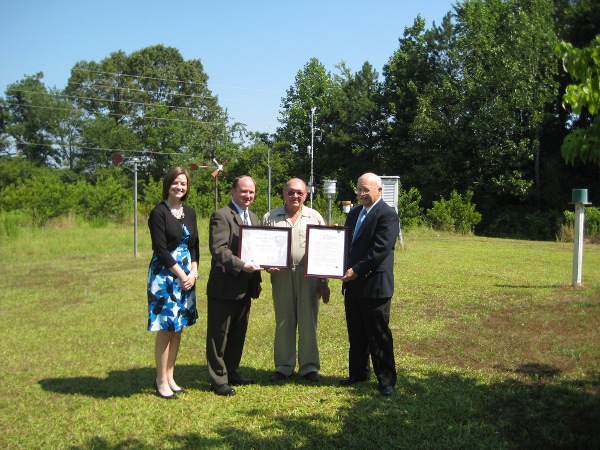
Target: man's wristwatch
(323,280)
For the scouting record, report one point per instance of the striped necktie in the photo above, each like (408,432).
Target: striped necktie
(245,218)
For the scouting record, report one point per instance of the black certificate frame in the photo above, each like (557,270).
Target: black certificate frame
(253,236)
(338,236)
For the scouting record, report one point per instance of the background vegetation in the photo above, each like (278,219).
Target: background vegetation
(494,349)
(478,106)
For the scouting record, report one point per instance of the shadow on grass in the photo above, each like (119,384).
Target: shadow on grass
(446,411)
(125,383)
(118,383)
(428,410)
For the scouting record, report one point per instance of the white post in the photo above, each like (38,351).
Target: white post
(578,240)
(269,175)
(311,182)
(135,218)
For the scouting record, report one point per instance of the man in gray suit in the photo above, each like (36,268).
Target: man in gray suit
(232,283)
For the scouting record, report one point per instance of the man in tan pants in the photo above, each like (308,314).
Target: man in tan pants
(296,297)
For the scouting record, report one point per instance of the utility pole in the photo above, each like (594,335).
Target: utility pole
(311,182)
(269,175)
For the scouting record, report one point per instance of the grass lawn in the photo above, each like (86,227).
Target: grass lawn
(494,349)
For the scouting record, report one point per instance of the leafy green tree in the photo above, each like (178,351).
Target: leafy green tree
(101,139)
(311,91)
(406,74)
(578,21)
(43,122)
(31,120)
(583,65)
(4,138)
(355,127)
(161,98)
(434,151)
(508,78)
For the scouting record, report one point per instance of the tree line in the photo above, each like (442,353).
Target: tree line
(474,107)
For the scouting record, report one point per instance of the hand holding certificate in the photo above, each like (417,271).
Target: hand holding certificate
(326,249)
(265,246)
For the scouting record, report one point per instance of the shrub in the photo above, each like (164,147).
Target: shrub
(42,197)
(591,225)
(109,199)
(455,214)
(411,214)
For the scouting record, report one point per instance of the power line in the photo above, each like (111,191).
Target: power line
(138,76)
(166,80)
(107,100)
(101,149)
(120,115)
(120,88)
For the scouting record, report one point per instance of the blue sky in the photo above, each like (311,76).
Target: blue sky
(251,50)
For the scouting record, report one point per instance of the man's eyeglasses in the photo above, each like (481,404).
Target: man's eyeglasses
(292,193)
(363,191)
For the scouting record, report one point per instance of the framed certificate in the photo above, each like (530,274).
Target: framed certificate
(266,246)
(326,251)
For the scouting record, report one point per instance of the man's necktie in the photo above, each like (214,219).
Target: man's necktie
(245,218)
(361,219)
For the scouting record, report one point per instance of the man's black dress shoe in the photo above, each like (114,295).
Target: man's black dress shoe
(223,389)
(278,376)
(311,376)
(240,381)
(387,391)
(173,396)
(352,380)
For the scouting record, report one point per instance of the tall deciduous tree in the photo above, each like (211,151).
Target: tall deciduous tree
(161,98)
(32,121)
(313,88)
(508,78)
(406,74)
(423,94)
(355,127)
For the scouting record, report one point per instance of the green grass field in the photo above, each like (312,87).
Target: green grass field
(494,349)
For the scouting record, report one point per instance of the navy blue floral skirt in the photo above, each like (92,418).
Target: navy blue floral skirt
(170,308)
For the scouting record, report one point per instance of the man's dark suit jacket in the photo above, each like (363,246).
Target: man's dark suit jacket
(227,280)
(371,254)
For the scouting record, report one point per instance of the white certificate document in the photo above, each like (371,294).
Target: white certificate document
(265,246)
(326,251)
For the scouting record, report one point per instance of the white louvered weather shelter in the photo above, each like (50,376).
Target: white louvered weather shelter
(389,195)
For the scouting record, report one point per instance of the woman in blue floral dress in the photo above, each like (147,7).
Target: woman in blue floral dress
(172,277)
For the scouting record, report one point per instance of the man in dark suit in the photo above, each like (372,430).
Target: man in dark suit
(368,286)
(232,283)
